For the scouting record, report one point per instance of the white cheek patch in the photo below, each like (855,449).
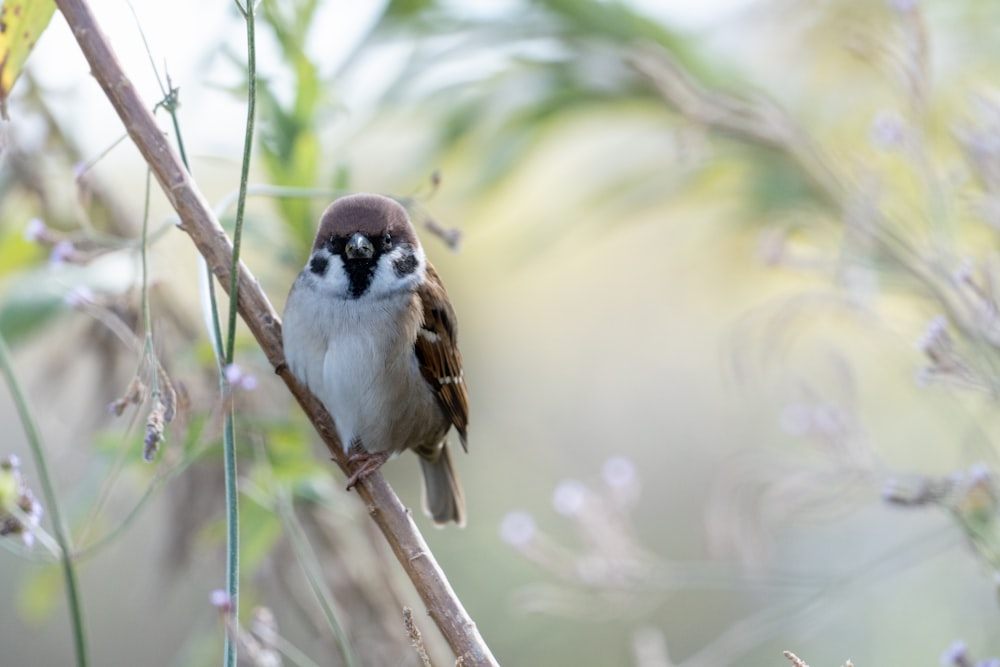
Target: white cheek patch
(333,280)
(387,280)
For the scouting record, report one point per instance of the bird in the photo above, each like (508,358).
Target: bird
(368,327)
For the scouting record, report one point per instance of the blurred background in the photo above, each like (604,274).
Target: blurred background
(727,285)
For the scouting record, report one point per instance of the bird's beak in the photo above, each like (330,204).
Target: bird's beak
(359,247)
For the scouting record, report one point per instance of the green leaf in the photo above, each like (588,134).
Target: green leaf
(26,310)
(21,23)
(39,591)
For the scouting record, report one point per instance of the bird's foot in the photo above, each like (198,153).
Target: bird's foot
(366,462)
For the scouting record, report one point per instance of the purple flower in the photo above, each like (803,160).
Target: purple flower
(62,252)
(619,472)
(220,600)
(36,231)
(517,529)
(957,655)
(569,497)
(238,379)
(903,6)
(79,297)
(887,131)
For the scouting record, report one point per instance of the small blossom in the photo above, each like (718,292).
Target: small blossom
(935,333)
(220,600)
(992,662)
(62,252)
(957,655)
(79,296)
(517,529)
(903,6)
(887,131)
(36,231)
(238,379)
(980,474)
(619,472)
(569,497)
(963,273)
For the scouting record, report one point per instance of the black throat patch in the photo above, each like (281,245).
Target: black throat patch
(360,270)
(359,274)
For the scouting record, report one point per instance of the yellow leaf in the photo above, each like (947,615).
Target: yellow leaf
(39,592)
(21,23)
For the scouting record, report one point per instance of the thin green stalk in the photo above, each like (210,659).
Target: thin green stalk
(48,490)
(241,202)
(228,440)
(224,358)
(232,528)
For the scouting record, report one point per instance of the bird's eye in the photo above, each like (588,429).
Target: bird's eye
(387,241)
(336,245)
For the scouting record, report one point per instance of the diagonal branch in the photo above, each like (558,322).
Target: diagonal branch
(198,221)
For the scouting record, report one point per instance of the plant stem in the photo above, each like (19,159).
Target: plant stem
(48,490)
(228,439)
(241,202)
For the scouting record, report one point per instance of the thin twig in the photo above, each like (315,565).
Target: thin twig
(796,660)
(416,639)
(197,220)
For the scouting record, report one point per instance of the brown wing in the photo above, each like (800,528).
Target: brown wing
(438,355)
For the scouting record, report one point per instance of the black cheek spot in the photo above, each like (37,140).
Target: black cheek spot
(405,265)
(319,265)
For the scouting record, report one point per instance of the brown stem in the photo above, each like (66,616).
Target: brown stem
(198,221)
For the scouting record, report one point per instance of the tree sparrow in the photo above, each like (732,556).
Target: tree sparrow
(368,327)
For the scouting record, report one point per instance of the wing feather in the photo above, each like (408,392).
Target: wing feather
(438,355)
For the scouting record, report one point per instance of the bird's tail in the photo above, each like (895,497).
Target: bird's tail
(443,497)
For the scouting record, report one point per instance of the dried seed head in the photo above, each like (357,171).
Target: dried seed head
(134,394)
(154,431)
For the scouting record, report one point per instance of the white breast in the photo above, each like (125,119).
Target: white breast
(357,357)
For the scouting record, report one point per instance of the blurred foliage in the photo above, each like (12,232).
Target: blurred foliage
(289,136)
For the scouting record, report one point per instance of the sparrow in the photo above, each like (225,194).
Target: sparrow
(369,329)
